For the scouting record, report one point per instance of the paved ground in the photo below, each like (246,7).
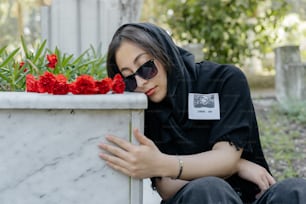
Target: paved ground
(263,94)
(285,137)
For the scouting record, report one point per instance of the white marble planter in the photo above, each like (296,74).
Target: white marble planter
(49,153)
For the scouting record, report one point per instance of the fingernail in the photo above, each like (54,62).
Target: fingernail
(101,155)
(102,145)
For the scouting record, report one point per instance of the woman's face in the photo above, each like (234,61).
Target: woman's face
(129,57)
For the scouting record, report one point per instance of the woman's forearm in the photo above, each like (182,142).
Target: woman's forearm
(221,161)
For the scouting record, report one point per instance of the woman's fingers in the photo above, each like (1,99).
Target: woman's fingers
(263,184)
(126,145)
(113,160)
(117,164)
(114,150)
(134,160)
(266,181)
(271,179)
(119,155)
(142,139)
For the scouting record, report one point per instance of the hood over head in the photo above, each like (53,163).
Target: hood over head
(172,112)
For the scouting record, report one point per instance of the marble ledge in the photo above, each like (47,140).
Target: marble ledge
(25,100)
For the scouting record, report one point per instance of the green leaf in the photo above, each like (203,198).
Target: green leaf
(3,49)
(25,48)
(10,58)
(66,60)
(40,50)
(33,66)
(2,76)
(88,63)
(79,59)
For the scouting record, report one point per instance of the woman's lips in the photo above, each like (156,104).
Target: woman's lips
(150,92)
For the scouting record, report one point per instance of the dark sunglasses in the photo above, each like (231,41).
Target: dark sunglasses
(146,71)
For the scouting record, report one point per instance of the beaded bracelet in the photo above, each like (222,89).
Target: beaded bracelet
(181,165)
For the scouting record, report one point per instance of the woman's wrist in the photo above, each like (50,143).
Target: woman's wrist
(241,163)
(171,166)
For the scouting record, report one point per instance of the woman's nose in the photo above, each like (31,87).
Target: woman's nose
(140,81)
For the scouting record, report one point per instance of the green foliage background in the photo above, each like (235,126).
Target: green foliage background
(230,30)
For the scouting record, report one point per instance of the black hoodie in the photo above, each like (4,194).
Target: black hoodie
(167,123)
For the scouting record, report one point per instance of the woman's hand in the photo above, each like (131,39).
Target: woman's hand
(138,161)
(255,173)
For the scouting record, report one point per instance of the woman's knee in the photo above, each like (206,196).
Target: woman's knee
(206,190)
(207,184)
(291,184)
(291,190)
(212,189)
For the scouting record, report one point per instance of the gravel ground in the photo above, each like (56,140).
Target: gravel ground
(285,139)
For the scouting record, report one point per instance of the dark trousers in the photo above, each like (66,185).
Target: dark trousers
(213,190)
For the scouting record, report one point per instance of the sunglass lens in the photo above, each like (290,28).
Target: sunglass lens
(147,70)
(130,83)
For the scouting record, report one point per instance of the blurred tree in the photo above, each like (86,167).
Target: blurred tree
(230,30)
(298,7)
(19,17)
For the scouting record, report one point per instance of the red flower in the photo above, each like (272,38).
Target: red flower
(52,59)
(104,85)
(72,87)
(46,83)
(60,86)
(31,83)
(118,85)
(84,84)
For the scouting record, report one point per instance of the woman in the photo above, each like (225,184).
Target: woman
(192,152)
